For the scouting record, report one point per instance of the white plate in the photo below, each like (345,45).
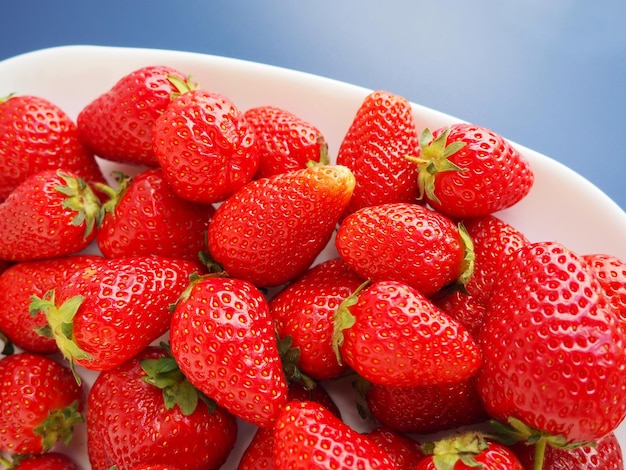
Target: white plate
(562,205)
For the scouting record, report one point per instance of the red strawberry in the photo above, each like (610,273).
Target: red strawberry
(271,231)
(132,422)
(205,146)
(492,241)
(469,171)
(47,461)
(154,467)
(468,451)
(381,135)
(404,451)
(40,402)
(554,352)
(118,124)
(224,342)
(611,274)
(51,214)
(145,217)
(111,309)
(392,335)
(308,436)
(285,141)
(18,284)
(426,409)
(410,243)
(37,135)
(304,312)
(260,451)
(605,454)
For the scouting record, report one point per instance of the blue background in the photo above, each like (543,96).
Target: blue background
(548,74)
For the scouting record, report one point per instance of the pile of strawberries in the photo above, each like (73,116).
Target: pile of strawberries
(208,303)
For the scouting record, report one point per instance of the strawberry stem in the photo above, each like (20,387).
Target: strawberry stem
(60,326)
(343,319)
(59,426)
(433,159)
(80,199)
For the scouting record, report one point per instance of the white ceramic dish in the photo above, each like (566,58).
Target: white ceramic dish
(561,206)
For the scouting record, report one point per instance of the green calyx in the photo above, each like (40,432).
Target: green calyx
(343,320)
(113,194)
(467,269)
(59,426)
(80,199)
(182,86)
(60,326)
(465,447)
(290,356)
(165,374)
(516,430)
(434,159)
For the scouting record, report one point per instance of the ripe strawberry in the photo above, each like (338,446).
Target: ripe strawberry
(426,409)
(410,243)
(131,421)
(18,284)
(118,124)
(271,231)
(224,342)
(154,467)
(37,135)
(492,240)
(554,352)
(308,436)
(392,335)
(260,451)
(469,171)
(611,274)
(51,214)
(144,217)
(304,312)
(382,134)
(285,141)
(47,461)
(605,454)
(40,402)
(205,146)
(111,309)
(467,451)
(404,451)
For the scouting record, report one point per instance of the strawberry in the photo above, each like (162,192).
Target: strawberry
(224,342)
(308,436)
(285,141)
(605,454)
(404,451)
(554,352)
(145,217)
(611,274)
(410,243)
(154,467)
(492,240)
(392,335)
(271,231)
(47,461)
(37,135)
(40,403)
(469,171)
(205,146)
(375,147)
(259,454)
(426,409)
(118,124)
(50,214)
(111,309)
(131,421)
(304,310)
(18,284)
(467,451)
